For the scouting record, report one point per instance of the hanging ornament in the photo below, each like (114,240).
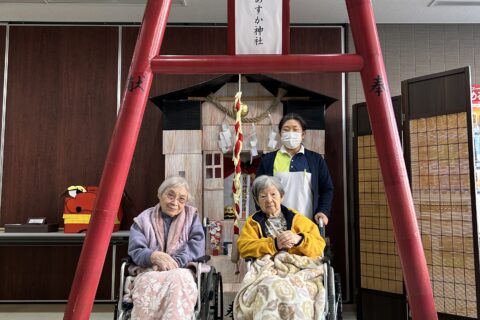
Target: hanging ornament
(243,109)
(225,136)
(253,143)
(272,141)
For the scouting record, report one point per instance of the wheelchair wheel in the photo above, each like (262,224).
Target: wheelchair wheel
(206,294)
(123,315)
(217,308)
(338,293)
(332,310)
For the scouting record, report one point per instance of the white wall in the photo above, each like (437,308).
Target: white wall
(411,50)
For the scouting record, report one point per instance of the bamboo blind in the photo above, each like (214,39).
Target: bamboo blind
(379,262)
(442,198)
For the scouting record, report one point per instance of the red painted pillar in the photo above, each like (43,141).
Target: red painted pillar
(118,161)
(382,120)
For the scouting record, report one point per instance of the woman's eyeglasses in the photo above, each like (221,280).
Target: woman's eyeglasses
(172,197)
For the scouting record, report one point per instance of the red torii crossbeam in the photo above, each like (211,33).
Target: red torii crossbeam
(368,61)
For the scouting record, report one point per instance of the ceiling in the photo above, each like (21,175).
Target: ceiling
(214,11)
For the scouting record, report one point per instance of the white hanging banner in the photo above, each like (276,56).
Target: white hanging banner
(258,26)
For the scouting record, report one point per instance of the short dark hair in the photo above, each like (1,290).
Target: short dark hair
(292,116)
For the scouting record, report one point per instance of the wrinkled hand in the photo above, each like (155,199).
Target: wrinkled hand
(287,239)
(321,215)
(162,261)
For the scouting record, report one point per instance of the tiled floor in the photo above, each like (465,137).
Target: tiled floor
(49,312)
(349,312)
(100,312)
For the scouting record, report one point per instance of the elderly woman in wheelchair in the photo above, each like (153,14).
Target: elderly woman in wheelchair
(286,279)
(163,240)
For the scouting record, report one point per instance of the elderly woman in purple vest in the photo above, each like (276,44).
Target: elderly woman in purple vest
(163,240)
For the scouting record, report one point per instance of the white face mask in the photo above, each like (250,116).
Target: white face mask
(291,139)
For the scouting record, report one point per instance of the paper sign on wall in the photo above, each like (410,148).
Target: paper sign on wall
(258,27)
(476,132)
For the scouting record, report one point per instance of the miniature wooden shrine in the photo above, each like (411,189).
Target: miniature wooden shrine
(198,135)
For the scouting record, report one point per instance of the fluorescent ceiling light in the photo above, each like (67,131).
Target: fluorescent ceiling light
(450,3)
(182,3)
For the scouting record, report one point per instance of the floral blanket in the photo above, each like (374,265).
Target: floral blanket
(285,286)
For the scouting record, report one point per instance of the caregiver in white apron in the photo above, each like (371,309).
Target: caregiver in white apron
(302,172)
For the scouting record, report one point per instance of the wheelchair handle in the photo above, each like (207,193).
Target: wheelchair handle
(321,224)
(321,227)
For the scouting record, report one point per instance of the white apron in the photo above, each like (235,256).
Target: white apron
(298,191)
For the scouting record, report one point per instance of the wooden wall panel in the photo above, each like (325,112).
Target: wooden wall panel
(213,204)
(189,166)
(182,141)
(210,137)
(61,111)
(315,141)
(45,272)
(148,165)
(212,184)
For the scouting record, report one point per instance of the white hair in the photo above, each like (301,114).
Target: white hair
(174,182)
(263,182)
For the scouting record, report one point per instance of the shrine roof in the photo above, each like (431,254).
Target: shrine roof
(272,85)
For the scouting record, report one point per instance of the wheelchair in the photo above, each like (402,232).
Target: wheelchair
(209,304)
(331,282)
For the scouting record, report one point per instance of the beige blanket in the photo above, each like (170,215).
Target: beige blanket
(285,286)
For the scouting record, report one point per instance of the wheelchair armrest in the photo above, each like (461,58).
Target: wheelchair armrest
(203,259)
(127,260)
(250,259)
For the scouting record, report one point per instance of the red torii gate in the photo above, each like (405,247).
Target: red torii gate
(368,61)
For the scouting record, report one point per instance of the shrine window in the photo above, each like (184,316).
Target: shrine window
(213,168)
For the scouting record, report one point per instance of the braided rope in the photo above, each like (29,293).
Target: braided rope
(280,94)
(236,187)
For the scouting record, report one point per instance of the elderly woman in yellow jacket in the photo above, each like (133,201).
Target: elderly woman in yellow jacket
(285,281)
(275,228)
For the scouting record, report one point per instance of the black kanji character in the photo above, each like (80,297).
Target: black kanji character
(378,87)
(258,30)
(230,311)
(134,85)
(258,41)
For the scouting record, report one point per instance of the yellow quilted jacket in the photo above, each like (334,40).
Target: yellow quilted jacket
(253,243)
